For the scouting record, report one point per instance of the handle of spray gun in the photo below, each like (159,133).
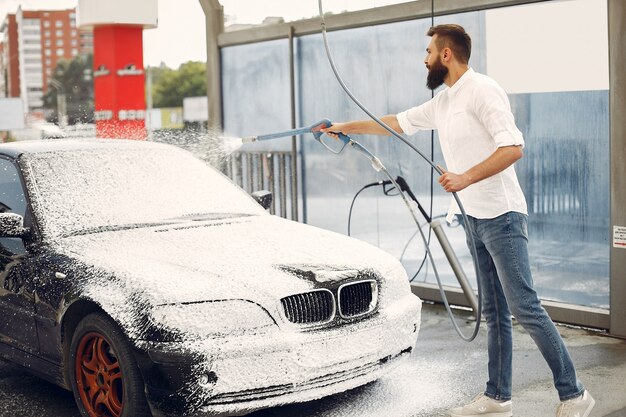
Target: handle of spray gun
(322,124)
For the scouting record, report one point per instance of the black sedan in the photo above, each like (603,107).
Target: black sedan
(148,283)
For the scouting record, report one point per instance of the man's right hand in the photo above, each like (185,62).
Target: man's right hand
(333,129)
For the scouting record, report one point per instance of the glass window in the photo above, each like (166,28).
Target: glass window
(30,22)
(59,42)
(58,24)
(268,74)
(59,33)
(60,52)
(48,52)
(12,198)
(563,117)
(46,23)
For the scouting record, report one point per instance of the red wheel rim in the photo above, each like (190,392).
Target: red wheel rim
(99,377)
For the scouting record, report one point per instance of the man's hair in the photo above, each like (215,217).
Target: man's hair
(454,37)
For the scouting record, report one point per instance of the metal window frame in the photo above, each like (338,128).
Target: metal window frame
(614,321)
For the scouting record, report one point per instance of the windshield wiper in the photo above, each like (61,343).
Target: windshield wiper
(196,217)
(174,220)
(115,228)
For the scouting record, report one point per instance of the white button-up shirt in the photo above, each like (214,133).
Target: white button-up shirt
(474,119)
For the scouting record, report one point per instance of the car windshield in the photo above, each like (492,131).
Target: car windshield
(100,189)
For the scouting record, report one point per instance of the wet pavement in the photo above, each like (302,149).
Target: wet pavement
(442,372)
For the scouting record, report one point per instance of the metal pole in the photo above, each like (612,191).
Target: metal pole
(214,13)
(294,147)
(617,152)
(281,184)
(455,264)
(272,186)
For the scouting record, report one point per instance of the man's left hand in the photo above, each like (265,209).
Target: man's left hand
(452,182)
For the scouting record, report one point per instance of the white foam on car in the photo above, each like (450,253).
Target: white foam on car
(189,257)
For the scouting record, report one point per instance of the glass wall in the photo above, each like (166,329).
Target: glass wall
(552,59)
(255,85)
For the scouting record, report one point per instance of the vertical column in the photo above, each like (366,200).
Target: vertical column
(119,80)
(617,106)
(214,13)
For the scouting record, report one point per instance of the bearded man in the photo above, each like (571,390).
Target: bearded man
(480,143)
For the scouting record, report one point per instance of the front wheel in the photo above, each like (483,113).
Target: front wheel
(104,375)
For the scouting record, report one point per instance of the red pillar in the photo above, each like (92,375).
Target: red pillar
(119,82)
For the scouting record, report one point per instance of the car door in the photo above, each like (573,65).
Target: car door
(17,303)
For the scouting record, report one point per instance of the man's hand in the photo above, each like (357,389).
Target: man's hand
(334,129)
(452,182)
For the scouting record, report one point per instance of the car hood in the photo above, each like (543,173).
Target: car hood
(254,258)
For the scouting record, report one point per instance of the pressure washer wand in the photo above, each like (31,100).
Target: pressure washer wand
(315,129)
(293,132)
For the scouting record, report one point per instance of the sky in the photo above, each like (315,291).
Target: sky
(181,34)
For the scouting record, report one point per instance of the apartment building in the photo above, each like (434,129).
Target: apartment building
(33,42)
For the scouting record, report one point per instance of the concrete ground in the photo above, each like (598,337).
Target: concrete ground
(443,372)
(600,361)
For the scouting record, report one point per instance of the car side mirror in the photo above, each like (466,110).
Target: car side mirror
(11,225)
(263,197)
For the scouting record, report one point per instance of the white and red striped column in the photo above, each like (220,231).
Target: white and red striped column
(119,78)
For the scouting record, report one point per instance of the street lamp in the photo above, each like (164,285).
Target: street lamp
(61,102)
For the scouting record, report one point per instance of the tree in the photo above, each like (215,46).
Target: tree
(171,86)
(74,80)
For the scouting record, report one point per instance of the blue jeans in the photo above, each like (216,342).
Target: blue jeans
(507,288)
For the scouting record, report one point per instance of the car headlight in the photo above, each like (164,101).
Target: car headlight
(213,317)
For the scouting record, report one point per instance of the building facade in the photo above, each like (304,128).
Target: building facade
(33,43)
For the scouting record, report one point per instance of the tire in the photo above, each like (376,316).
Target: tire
(103,371)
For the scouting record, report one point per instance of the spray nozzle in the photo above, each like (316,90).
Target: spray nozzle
(249,139)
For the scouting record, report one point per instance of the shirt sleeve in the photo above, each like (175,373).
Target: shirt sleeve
(494,111)
(417,118)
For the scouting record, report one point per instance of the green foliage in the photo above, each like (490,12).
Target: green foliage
(74,79)
(169,87)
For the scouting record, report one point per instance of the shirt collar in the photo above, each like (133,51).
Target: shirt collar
(459,83)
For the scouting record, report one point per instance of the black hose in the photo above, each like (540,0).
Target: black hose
(373,184)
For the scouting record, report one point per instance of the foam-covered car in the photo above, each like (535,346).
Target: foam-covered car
(146,282)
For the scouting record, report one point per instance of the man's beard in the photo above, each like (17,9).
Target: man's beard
(436,74)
